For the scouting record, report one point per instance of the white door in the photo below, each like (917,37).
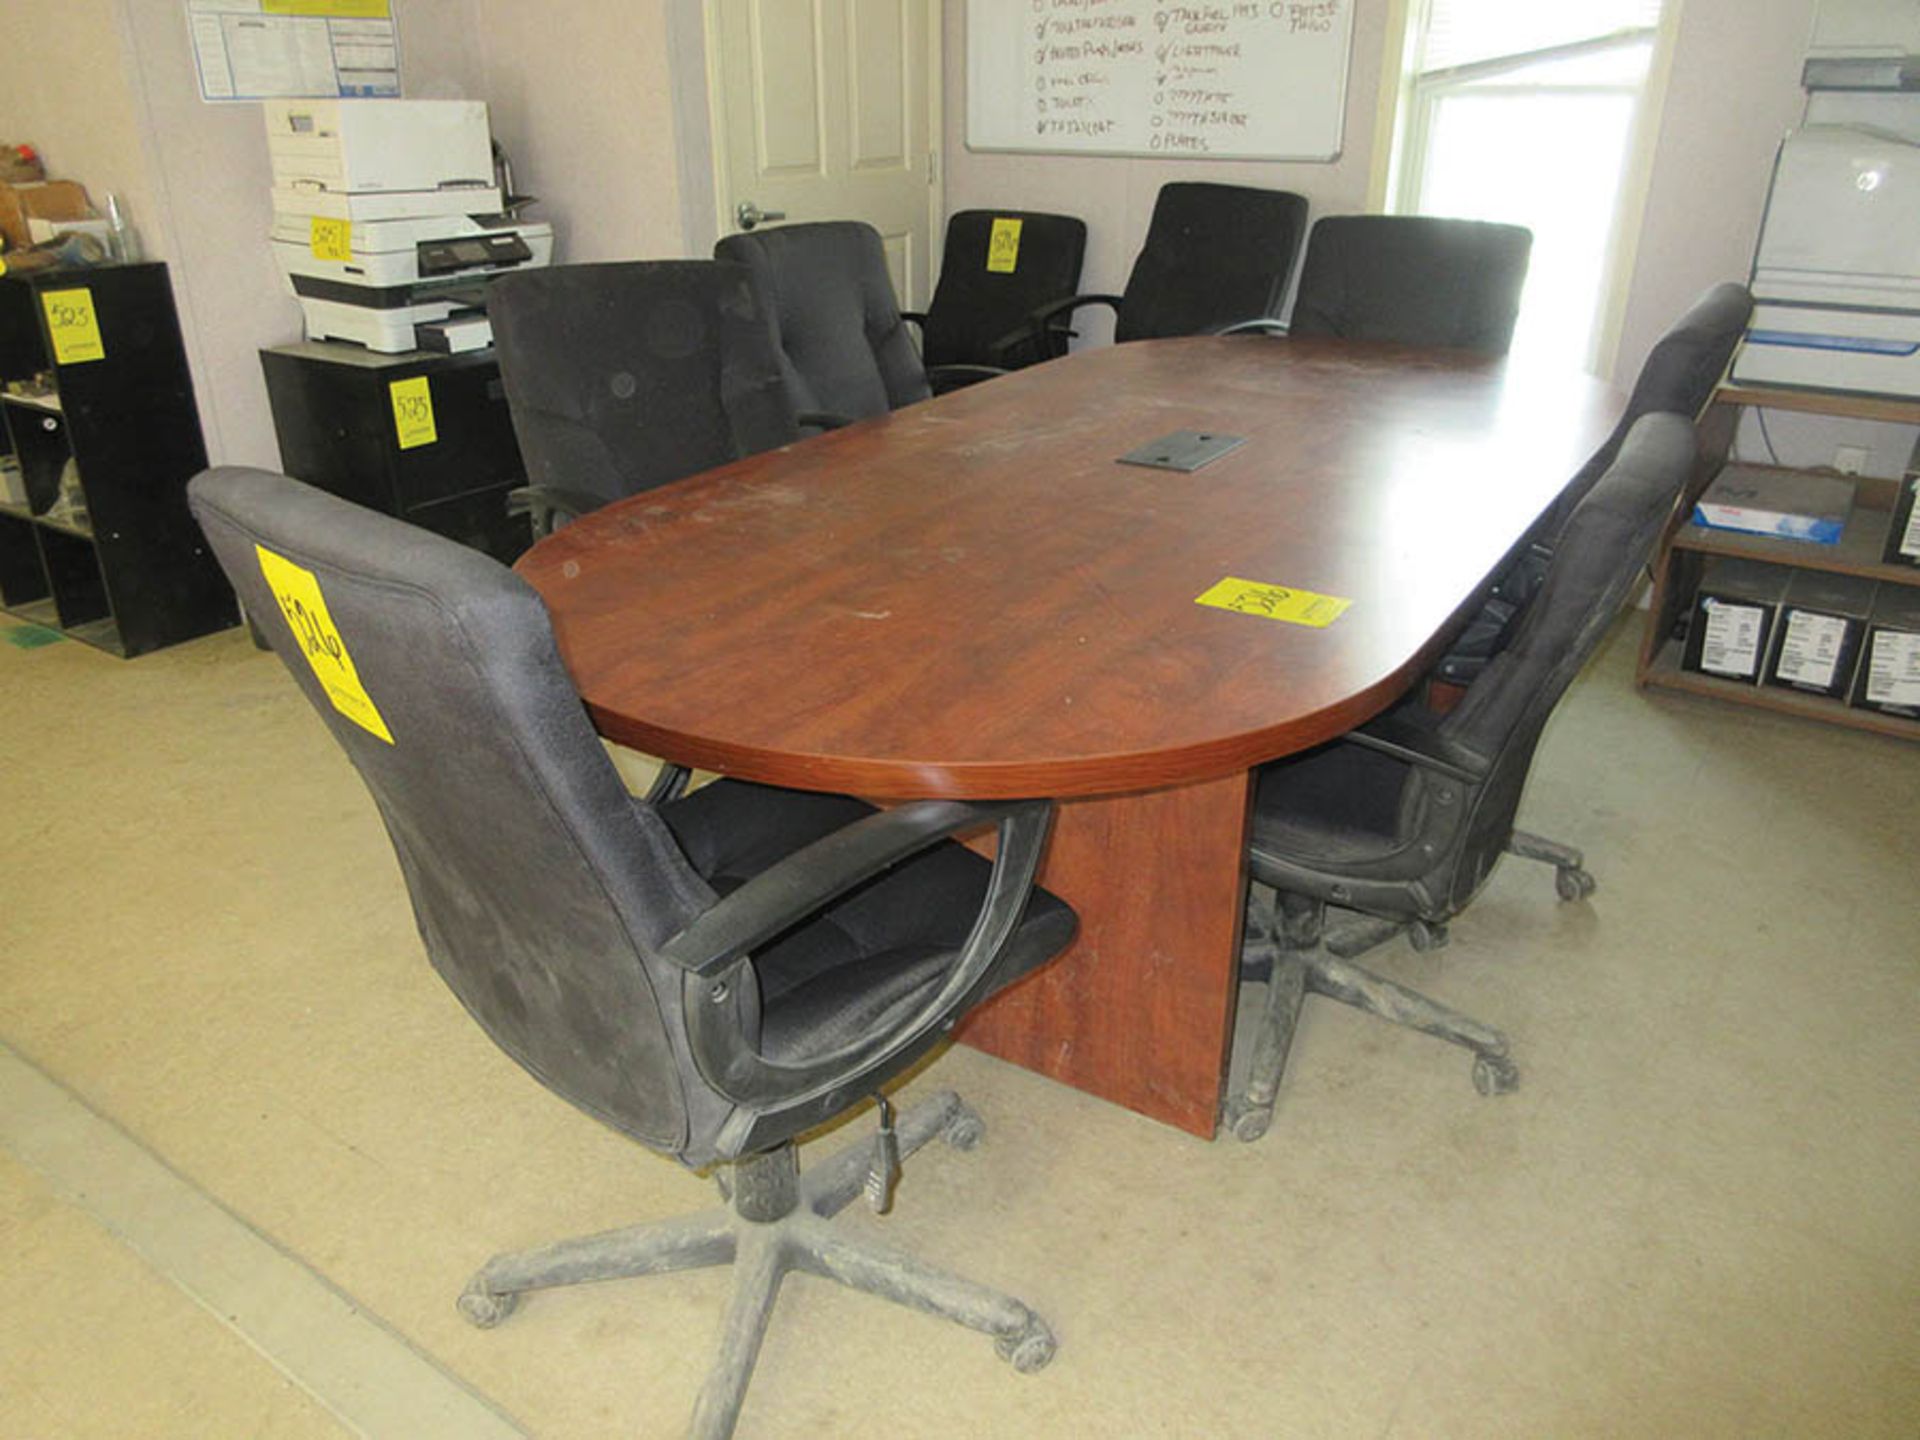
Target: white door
(827,110)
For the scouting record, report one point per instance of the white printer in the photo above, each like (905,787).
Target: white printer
(388,220)
(1836,278)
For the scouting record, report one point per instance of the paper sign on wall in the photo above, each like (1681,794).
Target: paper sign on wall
(1003,245)
(294,49)
(1275,602)
(73,326)
(297,592)
(413,412)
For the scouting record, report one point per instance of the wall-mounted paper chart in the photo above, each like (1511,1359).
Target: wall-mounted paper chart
(1229,79)
(294,49)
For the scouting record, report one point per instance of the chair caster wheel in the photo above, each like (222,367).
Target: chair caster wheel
(1030,1349)
(1573,883)
(1423,936)
(964,1128)
(1495,1075)
(1249,1125)
(483,1309)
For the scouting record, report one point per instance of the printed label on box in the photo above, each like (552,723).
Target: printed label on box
(1732,641)
(1893,669)
(1910,541)
(1810,649)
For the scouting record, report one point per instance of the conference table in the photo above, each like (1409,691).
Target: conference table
(974,597)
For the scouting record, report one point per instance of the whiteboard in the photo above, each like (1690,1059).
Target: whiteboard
(1219,79)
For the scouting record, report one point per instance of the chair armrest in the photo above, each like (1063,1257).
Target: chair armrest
(709,950)
(1037,319)
(784,894)
(551,506)
(823,419)
(1392,734)
(1265,325)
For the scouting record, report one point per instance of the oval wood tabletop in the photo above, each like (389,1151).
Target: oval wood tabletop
(973,597)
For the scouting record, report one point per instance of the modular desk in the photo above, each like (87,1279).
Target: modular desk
(972,597)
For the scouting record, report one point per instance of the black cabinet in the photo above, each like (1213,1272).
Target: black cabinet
(426,437)
(100,437)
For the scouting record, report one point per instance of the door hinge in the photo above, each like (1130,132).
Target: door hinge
(933,167)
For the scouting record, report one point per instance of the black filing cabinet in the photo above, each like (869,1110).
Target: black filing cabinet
(423,436)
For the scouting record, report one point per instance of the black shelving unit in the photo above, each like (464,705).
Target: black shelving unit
(100,441)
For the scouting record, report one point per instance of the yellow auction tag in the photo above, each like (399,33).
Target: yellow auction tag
(413,412)
(298,593)
(330,239)
(72,326)
(1003,245)
(1275,602)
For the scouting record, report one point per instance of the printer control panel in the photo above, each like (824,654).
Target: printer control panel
(441,257)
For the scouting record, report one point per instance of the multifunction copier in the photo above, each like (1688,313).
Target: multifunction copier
(1836,278)
(389,220)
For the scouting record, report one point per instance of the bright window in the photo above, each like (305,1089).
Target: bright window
(1524,111)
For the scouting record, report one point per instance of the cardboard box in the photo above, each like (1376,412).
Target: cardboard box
(1735,612)
(1903,527)
(51,200)
(1768,500)
(1822,624)
(1888,678)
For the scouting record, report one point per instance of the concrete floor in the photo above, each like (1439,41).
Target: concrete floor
(250,1148)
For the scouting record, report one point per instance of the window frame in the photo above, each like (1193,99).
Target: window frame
(1406,107)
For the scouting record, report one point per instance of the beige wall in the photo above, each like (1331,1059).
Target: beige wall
(1733,92)
(77,112)
(581,95)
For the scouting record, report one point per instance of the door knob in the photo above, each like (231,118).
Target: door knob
(750,214)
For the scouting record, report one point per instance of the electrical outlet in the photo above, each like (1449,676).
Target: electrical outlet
(1850,459)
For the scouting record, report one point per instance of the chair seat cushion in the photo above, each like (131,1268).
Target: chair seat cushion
(875,953)
(1328,807)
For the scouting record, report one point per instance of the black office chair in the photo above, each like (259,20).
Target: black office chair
(1679,377)
(1215,256)
(621,377)
(1414,280)
(1399,823)
(985,291)
(711,977)
(844,350)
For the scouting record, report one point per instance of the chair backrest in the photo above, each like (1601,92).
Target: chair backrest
(984,293)
(1413,279)
(1599,558)
(624,376)
(541,890)
(1214,255)
(835,320)
(1679,376)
